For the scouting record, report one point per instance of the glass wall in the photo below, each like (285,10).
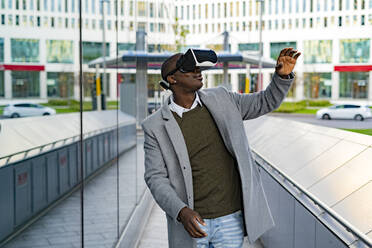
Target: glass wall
(318,85)
(354,50)
(2,91)
(354,84)
(253,87)
(25,84)
(60,84)
(89,81)
(218,79)
(60,51)
(25,50)
(317,51)
(276,47)
(126,47)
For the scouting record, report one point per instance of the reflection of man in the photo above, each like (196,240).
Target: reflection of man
(198,164)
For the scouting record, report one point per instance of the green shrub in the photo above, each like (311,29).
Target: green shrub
(58,102)
(289,107)
(315,103)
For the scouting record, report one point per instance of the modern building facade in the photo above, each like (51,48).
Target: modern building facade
(39,42)
(334,37)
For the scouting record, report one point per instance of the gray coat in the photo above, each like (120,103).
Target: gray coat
(167,167)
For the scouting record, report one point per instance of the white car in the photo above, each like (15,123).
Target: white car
(345,111)
(26,109)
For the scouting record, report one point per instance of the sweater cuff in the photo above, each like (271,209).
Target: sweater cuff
(282,80)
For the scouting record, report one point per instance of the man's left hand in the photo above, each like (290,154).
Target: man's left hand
(286,61)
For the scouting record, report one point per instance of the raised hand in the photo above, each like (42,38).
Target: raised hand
(190,219)
(286,61)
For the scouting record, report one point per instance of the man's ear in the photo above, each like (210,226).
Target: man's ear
(171,79)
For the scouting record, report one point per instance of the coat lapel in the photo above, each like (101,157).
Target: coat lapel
(178,142)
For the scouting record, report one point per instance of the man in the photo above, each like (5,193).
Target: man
(198,164)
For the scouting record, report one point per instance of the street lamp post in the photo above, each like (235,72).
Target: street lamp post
(104,81)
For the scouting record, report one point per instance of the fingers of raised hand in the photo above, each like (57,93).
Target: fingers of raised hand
(195,230)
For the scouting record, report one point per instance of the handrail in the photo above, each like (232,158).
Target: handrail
(348,226)
(88,134)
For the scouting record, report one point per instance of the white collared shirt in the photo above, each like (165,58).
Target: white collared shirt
(179,109)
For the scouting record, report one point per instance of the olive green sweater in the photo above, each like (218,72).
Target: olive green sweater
(216,180)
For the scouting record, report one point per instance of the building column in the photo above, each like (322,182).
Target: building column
(370,88)
(234,82)
(300,86)
(210,81)
(43,85)
(335,85)
(7,85)
(265,79)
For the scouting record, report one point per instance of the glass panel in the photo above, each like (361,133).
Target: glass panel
(318,85)
(345,180)
(25,84)
(60,51)
(354,84)
(249,47)
(317,51)
(25,50)
(326,163)
(354,50)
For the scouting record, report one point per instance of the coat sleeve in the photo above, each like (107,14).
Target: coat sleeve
(156,178)
(253,105)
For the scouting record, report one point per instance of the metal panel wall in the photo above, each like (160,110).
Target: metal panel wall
(52,176)
(39,189)
(63,170)
(22,177)
(7,201)
(73,164)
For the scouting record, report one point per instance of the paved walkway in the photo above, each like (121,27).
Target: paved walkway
(61,226)
(155,234)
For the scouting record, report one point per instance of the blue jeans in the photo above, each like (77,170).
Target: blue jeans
(223,232)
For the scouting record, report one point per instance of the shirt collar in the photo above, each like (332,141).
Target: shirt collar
(179,109)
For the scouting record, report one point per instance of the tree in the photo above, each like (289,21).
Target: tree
(180,33)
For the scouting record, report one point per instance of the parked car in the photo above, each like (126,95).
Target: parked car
(345,111)
(26,109)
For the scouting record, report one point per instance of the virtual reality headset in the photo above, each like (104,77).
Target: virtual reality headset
(188,62)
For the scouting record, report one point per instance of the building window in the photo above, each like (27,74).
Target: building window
(355,4)
(60,51)
(188,12)
(249,47)
(304,6)
(206,11)
(126,47)
(1,49)
(25,84)
(354,50)
(93,50)
(311,23)
(333,5)
(60,84)
(141,6)
(199,11)
(340,21)
(225,9)
(318,85)
(152,10)
(25,50)
(325,22)
(347,4)
(276,47)
(244,8)
(354,85)
(237,9)
(317,51)
(362,21)
(93,3)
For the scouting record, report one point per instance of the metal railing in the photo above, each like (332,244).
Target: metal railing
(347,225)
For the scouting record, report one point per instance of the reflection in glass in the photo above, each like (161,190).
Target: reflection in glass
(25,50)
(317,51)
(354,84)
(25,84)
(318,85)
(60,84)
(60,51)
(354,50)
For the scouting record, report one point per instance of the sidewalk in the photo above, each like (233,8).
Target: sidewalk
(155,234)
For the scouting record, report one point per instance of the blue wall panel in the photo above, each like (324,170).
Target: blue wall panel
(7,201)
(39,189)
(22,177)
